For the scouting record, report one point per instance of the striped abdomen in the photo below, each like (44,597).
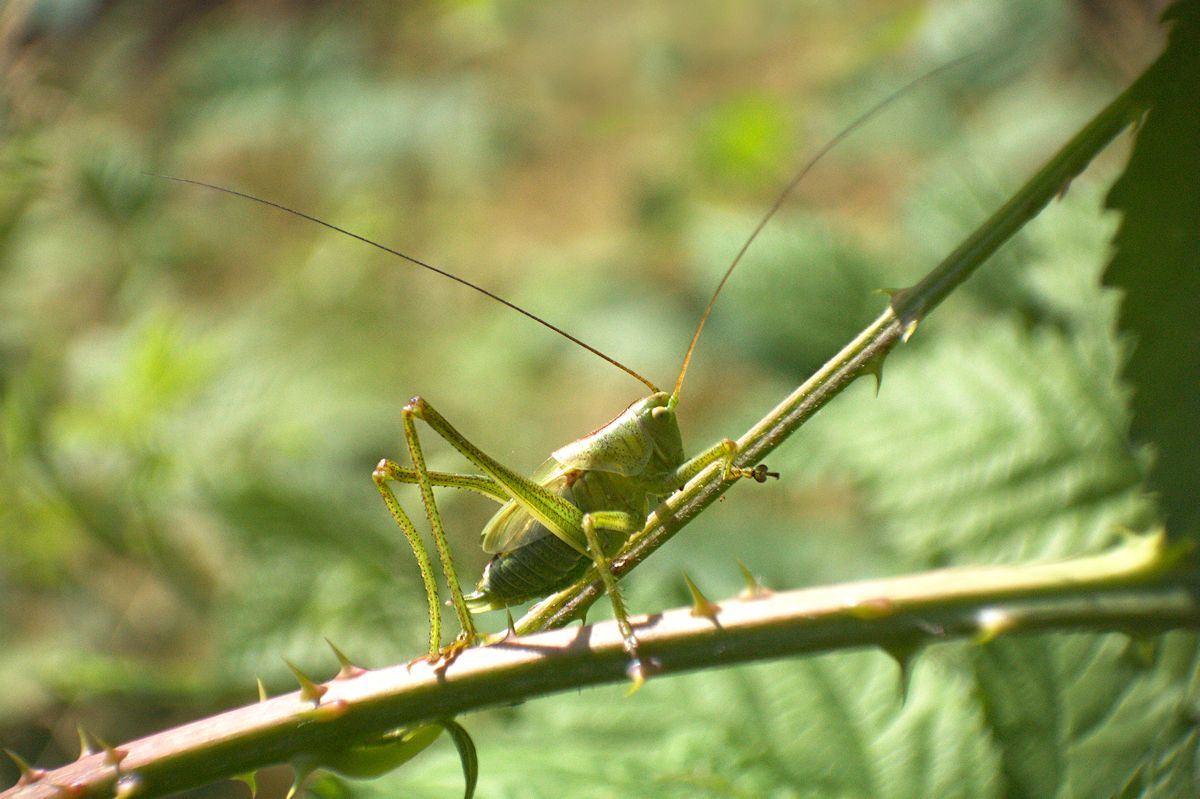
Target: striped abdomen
(543,562)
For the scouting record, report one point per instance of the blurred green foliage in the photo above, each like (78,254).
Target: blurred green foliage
(194,390)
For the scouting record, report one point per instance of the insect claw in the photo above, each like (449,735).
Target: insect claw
(444,656)
(760,473)
(448,654)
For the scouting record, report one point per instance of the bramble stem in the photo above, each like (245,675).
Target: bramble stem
(865,353)
(1143,586)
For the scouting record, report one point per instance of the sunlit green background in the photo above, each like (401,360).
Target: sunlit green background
(194,389)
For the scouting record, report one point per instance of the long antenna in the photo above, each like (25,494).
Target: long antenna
(858,122)
(423,264)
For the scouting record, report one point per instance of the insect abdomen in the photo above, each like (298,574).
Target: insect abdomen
(533,570)
(547,563)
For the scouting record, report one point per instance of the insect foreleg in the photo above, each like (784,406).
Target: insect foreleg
(470,482)
(381,476)
(724,450)
(468,634)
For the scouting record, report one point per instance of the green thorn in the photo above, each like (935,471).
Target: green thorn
(905,654)
(636,673)
(874,367)
(309,690)
(112,755)
(878,607)
(262,689)
(29,774)
(127,786)
(754,588)
(701,605)
(510,631)
(348,670)
(993,622)
(301,774)
(251,782)
(86,747)
(1141,650)
(326,711)
(1166,552)
(895,298)
(373,758)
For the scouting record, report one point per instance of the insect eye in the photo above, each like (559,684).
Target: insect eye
(658,413)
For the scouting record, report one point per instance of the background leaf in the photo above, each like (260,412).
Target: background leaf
(1156,261)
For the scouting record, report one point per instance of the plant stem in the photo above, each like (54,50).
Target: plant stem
(865,354)
(1137,587)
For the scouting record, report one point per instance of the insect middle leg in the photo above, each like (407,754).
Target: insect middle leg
(626,525)
(425,480)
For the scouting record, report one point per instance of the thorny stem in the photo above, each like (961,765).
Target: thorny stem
(864,354)
(1142,586)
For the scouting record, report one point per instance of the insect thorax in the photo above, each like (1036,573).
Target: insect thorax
(543,562)
(643,442)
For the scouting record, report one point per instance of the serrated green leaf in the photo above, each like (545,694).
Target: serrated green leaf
(1076,716)
(1157,262)
(1173,772)
(1011,455)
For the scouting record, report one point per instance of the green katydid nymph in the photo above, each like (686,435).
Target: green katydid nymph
(588,498)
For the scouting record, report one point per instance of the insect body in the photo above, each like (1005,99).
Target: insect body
(584,502)
(617,473)
(623,467)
